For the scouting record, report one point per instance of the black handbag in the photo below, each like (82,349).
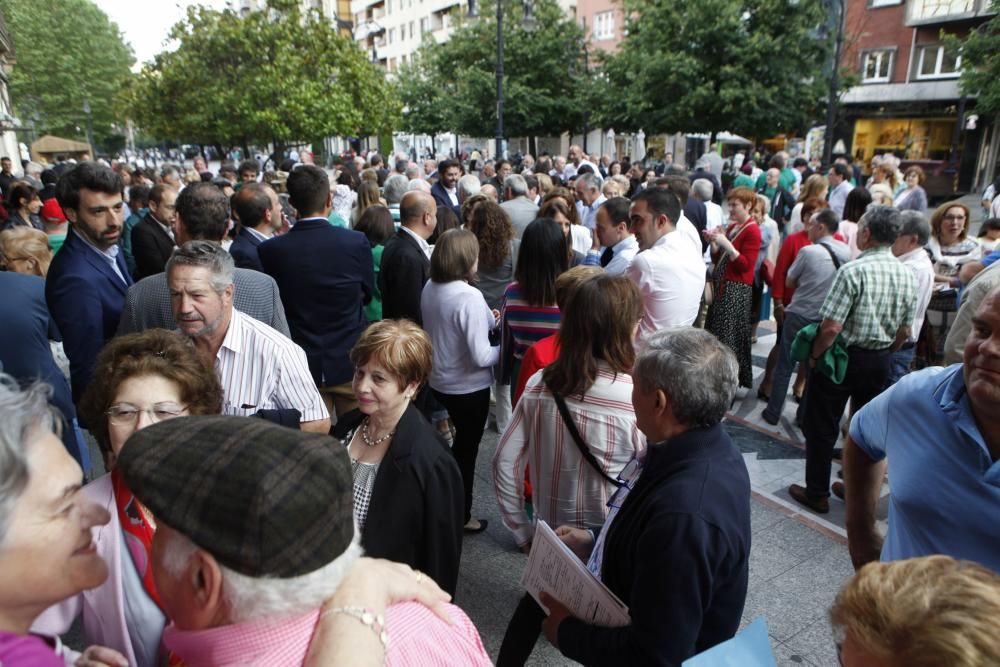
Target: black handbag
(581,445)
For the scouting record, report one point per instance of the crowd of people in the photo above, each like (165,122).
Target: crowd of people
(289,375)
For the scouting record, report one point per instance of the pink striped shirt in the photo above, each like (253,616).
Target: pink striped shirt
(416,637)
(565,488)
(260,369)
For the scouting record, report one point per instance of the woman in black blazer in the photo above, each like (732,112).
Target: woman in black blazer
(408,493)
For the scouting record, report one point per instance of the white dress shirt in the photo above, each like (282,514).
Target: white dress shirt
(260,369)
(838,197)
(588,214)
(671,279)
(923,270)
(110,255)
(624,252)
(421,241)
(713,218)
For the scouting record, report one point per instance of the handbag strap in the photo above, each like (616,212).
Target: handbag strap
(833,256)
(581,445)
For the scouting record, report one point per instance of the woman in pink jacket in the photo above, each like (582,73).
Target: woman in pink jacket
(139,379)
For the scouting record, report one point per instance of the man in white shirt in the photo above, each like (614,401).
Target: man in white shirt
(259,368)
(840,187)
(702,189)
(576,158)
(588,199)
(909,249)
(668,269)
(612,233)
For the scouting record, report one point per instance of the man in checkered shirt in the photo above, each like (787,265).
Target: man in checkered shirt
(871,304)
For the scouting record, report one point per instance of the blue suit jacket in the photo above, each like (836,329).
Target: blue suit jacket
(244,251)
(441,197)
(85,297)
(325,276)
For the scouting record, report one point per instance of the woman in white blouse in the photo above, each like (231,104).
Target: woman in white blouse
(459,323)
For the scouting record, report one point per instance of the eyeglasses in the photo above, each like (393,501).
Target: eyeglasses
(126,414)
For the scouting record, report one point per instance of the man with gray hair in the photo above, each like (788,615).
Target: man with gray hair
(259,368)
(689,495)
(245,563)
(588,199)
(395,187)
(914,234)
(468,186)
(418,185)
(870,306)
(521,210)
(702,189)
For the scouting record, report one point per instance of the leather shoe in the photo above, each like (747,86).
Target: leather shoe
(477,527)
(773,421)
(838,489)
(799,495)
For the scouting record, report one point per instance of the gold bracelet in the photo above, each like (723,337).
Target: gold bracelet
(368,618)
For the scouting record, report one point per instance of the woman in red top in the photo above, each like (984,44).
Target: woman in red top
(735,250)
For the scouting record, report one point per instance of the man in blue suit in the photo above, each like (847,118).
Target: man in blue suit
(88,279)
(258,209)
(326,276)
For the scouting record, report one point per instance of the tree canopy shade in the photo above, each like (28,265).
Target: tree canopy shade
(452,86)
(980,52)
(753,67)
(272,75)
(67,52)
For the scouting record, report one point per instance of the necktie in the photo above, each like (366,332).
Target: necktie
(606,257)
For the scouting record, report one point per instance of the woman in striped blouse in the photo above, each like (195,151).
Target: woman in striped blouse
(529,309)
(591,378)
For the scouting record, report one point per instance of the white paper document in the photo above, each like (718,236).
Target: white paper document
(554,568)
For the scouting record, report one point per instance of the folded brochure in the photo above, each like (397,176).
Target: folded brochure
(554,568)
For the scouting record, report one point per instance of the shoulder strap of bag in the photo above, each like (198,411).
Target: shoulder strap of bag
(581,445)
(833,256)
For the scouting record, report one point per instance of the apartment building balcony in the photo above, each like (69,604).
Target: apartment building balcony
(929,12)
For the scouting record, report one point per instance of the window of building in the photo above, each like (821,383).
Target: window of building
(935,62)
(411,29)
(425,25)
(392,37)
(604,25)
(876,66)
(388,7)
(875,4)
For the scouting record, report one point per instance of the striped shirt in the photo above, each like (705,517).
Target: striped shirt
(262,370)
(527,324)
(872,297)
(416,637)
(565,488)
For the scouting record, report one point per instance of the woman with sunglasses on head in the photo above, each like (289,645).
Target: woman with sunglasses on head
(139,379)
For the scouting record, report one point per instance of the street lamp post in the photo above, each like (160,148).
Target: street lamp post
(90,129)
(529,24)
(831,109)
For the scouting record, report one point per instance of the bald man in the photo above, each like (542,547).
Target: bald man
(406,260)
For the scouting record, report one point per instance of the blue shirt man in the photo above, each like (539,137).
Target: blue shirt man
(940,431)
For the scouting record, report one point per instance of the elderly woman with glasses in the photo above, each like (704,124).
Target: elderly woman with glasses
(139,379)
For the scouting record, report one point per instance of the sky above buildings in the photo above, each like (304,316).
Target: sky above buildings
(146,24)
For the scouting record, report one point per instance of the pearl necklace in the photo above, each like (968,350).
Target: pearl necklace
(369,441)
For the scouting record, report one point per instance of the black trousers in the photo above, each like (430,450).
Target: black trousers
(469,413)
(522,633)
(866,377)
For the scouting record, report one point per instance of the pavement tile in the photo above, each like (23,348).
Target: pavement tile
(763,516)
(768,560)
(816,644)
(786,657)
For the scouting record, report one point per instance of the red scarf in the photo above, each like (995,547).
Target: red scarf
(139,533)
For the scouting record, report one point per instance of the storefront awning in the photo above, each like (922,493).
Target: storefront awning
(887,93)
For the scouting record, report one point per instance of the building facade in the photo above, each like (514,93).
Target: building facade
(908,100)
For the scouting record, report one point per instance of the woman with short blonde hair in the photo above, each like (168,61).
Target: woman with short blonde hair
(26,250)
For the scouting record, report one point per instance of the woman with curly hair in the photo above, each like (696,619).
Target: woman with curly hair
(139,379)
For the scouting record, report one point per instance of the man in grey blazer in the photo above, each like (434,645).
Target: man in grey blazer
(202,215)
(522,211)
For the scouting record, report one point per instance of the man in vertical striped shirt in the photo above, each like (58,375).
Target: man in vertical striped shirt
(260,369)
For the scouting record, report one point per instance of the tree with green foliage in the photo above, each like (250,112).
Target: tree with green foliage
(980,51)
(276,75)
(452,86)
(67,52)
(753,67)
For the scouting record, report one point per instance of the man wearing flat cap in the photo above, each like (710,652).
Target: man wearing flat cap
(255,530)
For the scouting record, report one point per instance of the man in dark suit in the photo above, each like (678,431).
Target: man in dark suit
(406,262)
(202,215)
(445,191)
(326,276)
(87,281)
(153,236)
(258,209)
